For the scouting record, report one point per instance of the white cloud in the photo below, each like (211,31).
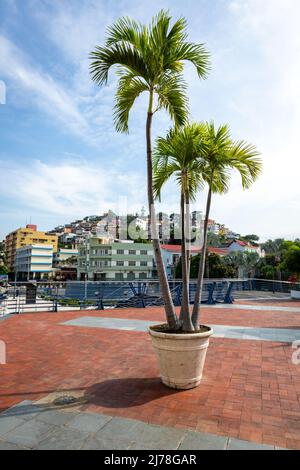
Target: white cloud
(47,94)
(68,189)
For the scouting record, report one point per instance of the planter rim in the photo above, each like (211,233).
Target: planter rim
(180,336)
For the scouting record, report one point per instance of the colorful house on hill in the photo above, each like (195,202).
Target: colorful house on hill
(239,245)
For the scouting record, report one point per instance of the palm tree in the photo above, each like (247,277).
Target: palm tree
(150,59)
(222,155)
(177,155)
(243,261)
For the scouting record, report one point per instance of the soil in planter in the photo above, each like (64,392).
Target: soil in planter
(164,328)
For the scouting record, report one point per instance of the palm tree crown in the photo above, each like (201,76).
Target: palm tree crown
(149,58)
(179,155)
(222,155)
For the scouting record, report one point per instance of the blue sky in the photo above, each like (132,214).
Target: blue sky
(60,157)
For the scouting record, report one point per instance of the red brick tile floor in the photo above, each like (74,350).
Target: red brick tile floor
(250,389)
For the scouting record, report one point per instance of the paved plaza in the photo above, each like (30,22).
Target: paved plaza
(249,396)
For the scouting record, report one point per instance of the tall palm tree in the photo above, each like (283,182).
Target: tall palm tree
(177,155)
(150,59)
(222,155)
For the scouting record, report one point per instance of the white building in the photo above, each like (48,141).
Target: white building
(239,245)
(33,261)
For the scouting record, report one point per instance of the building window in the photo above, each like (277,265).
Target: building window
(132,252)
(131,263)
(143,263)
(144,252)
(120,252)
(120,263)
(119,276)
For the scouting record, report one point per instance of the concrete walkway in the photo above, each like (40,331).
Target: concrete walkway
(29,426)
(283,335)
(236,306)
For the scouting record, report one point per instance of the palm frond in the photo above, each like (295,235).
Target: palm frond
(124,29)
(129,88)
(177,155)
(171,92)
(197,54)
(244,157)
(118,54)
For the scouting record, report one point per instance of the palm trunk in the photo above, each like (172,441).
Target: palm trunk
(195,314)
(188,231)
(187,247)
(165,290)
(185,310)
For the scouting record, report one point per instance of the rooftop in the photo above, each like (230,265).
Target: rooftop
(249,396)
(211,249)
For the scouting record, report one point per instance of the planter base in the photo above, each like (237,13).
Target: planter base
(180,357)
(181,385)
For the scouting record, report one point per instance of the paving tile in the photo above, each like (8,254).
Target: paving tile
(24,410)
(203,441)
(139,446)
(141,433)
(30,433)
(58,418)
(111,323)
(14,408)
(8,423)
(93,443)
(89,422)
(9,446)
(238,444)
(63,439)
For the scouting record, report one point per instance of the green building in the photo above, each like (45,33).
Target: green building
(100,259)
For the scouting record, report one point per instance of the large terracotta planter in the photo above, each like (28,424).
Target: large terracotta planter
(180,357)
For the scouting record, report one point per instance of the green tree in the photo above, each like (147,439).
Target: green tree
(217,268)
(150,58)
(273,246)
(252,238)
(2,251)
(3,269)
(222,154)
(214,240)
(243,261)
(292,259)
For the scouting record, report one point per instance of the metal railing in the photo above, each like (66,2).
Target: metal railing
(22,297)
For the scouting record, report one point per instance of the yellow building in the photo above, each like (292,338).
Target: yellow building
(28,235)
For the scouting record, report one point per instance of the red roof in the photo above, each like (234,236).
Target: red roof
(241,243)
(211,249)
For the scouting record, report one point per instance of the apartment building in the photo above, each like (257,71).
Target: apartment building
(33,262)
(100,259)
(28,235)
